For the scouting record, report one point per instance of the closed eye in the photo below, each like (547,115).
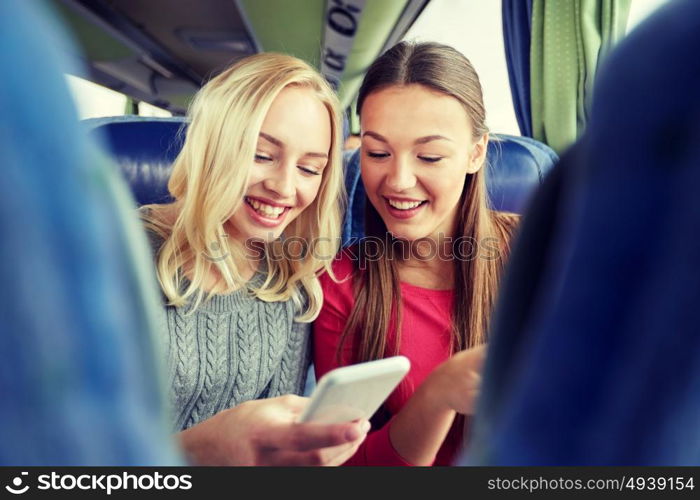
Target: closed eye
(262,158)
(430,159)
(372,154)
(307,170)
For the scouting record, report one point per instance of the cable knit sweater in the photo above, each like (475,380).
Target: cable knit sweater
(232,349)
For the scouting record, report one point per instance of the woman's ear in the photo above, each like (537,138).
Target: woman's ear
(477,156)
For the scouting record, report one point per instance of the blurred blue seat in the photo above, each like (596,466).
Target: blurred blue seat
(594,358)
(144,149)
(79,371)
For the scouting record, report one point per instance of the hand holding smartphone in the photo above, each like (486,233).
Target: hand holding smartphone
(355,391)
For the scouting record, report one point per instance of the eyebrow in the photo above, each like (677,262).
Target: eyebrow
(271,139)
(430,138)
(420,140)
(280,144)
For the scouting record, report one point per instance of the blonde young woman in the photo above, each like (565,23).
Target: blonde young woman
(255,217)
(425,282)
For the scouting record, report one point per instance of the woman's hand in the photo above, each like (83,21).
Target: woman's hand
(266,432)
(419,429)
(455,384)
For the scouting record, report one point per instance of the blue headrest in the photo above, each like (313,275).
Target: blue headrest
(515,167)
(144,149)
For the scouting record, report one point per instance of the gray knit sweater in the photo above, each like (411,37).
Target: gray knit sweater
(232,349)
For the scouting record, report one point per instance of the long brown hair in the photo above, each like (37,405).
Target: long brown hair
(376,281)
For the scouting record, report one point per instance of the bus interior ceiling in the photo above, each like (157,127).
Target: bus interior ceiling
(162,51)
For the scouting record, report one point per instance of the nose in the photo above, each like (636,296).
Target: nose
(281,181)
(400,176)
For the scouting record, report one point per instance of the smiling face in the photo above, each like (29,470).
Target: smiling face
(291,154)
(417,149)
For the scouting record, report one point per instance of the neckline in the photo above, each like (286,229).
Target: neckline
(432,292)
(231,301)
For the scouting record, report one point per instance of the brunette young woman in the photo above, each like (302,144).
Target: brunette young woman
(424,281)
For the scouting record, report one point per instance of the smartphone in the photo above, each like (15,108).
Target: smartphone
(354,391)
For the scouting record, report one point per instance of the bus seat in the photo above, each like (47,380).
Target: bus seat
(144,148)
(515,167)
(79,368)
(594,356)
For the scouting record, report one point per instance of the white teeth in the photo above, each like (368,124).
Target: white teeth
(265,209)
(404,205)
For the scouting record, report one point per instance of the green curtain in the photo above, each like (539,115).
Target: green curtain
(569,39)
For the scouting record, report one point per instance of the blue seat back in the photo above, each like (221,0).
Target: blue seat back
(594,355)
(79,369)
(515,167)
(145,148)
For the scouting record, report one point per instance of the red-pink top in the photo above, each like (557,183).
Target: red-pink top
(425,341)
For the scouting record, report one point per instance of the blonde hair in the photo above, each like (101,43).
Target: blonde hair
(209,181)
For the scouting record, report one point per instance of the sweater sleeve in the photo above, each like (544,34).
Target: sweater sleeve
(328,329)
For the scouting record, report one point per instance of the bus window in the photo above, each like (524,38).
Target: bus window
(640,10)
(96,101)
(474,28)
(93,100)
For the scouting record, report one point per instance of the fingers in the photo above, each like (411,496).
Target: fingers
(338,455)
(468,404)
(311,436)
(479,354)
(472,359)
(291,459)
(331,456)
(291,402)
(480,358)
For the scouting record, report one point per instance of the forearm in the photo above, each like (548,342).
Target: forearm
(232,437)
(201,445)
(419,429)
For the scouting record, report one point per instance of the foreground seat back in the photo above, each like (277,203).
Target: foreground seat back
(79,378)
(594,357)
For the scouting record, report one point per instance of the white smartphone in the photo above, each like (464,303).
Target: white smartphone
(354,391)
